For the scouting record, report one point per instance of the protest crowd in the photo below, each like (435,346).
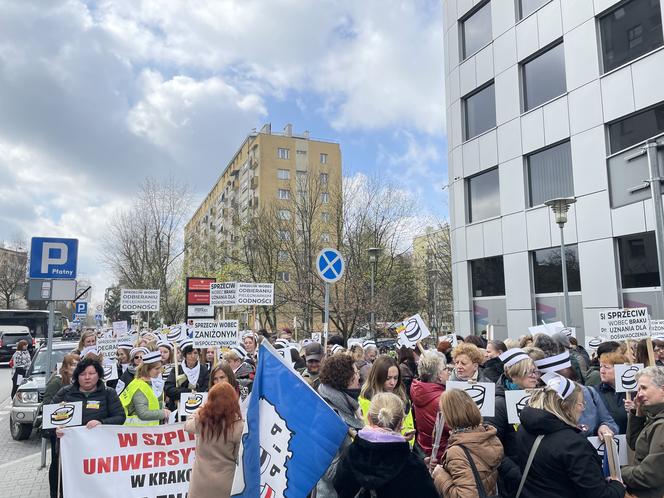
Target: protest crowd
(535,417)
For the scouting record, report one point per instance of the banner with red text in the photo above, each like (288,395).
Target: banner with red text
(109,461)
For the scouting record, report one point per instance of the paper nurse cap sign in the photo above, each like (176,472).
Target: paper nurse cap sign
(626,376)
(62,415)
(482,393)
(412,330)
(516,401)
(190,402)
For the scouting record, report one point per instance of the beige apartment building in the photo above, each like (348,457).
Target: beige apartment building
(275,174)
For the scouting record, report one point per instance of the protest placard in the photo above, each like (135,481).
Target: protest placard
(139,299)
(624,324)
(451,338)
(108,347)
(190,402)
(120,329)
(553,328)
(211,334)
(625,376)
(62,415)
(412,330)
(110,367)
(592,343)
(515,401)
(132,462)
(223,293)
(482,393)
(316,336)
(657,328)
(621,444)
(254,293)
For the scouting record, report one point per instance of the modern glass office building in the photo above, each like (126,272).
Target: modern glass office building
(549,99)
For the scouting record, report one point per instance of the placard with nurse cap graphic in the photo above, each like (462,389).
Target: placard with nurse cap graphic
(62,415)
(482,393)
(515,401)
(621,443)
(626,376)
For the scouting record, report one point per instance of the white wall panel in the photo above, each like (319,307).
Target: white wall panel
(602,5)
(502,18)
(493,238)
(556,121)
(459,203)
(539,228)
(471,157)
(484,65)
(455,131)
(452,83)
(464,286)
(585,105)
(549,23)
(617,94)
(532,130)
(488,143)
(527,40)
(598,278)
(504,51)
(514,228)
(508,102)
(517,281)
(628,219)
(575,13)
(453,45)
(518,322)
(593,216)
(648,76)
(475,241)
(512,195)
(589,161)
(509,140)
(467,76)
(581,64)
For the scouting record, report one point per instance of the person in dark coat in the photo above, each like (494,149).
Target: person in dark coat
(613,401)
(101,405)
(565,464)
(379,462)
(192,375)
(493,367)
(135,359)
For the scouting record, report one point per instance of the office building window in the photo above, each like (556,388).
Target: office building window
(283,153)
(632,29)
(323,178)
(283,174)
(487,276)
(283,234)
(284,194)
(636,128)
(544,77)
(325,217)
(284,214)
(527,7)
(638,260)
(479,111)
(476,30)
(323,158)
(284,276)
(548,273)
(283,256)
(325,197)
(301,152)
(483,196)
(550,174)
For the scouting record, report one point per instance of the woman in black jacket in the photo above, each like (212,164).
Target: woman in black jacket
(101,405)
(614,402)
(379,461)
(192,375)
(565,463)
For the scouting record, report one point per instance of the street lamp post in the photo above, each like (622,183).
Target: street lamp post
(373,260)
(433,273)
(560,207)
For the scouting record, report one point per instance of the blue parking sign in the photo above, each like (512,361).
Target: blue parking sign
(52,258)
(81,308)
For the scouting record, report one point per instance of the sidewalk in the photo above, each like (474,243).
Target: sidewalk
(20,475)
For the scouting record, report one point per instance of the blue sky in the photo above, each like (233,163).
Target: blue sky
(96,96)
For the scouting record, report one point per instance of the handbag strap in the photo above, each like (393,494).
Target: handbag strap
(478,480)
(536,444)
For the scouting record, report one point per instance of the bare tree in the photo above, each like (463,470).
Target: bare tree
(144,243)
(13,272)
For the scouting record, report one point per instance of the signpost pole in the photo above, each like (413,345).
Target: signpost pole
(327,315)
(49,361)
(656,191)
(564,270)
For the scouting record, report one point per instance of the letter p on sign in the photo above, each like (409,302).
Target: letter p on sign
(52,258)
(50,248)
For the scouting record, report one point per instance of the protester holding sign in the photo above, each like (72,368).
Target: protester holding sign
(645,435)
(613,401)
(192,376)
(218,429)
(143,398)
(425,393)
(379,461)
(564,463)
(100,405)
(473,448)
(385,376)
(88,339)
(467,359)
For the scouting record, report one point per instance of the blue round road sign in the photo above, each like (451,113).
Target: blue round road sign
(330,265)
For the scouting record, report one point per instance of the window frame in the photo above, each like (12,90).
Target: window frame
(283,153)
(283,194)
(463,56)
(527,157)
(323,158)
(468,189)
(524,82)
(619,257)
(283,174)
(464,115)
(519,10)
(325,197)
(568,266)
(472,280)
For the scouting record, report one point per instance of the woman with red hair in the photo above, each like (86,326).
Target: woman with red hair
(218,427)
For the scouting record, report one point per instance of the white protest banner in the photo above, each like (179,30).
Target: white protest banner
(211,334)
(621,442)
(553,328)
(316,336)
(200,311)
(190,402)
(592,343)
(107,346)
(515,401)
(110,369)
(624,324)
(62,415)
(412,330)
(139,299)
(253,293)
(132,462)
(351,342)
(657,328)
(120,328)
(626,376)
(223,293)
(482,393)
(177,333)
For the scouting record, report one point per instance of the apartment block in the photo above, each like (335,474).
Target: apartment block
(548,99)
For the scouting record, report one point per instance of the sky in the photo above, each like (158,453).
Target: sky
(95,96)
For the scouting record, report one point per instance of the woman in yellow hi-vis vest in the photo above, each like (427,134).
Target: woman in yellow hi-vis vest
(143,398)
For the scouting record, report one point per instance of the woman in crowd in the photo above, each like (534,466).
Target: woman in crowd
(357,353)
(244,371)
(250,343)
(525,341)
(123,356)
(143,398)
(224,373)
(20,362)
(613,401)
(467,359)
(379,460)
(340,389)
(192,376)
(218,428)
(88,339)
(385,376)
(493,366)
(593,377)
(470,444)
(165,348)
(407,366)
(565,464)
(136,358)
(645,435)
(100,405)
(209,358)
(425,393)
(520,373)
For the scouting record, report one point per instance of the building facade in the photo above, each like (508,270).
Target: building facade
(548,99)
(283,176)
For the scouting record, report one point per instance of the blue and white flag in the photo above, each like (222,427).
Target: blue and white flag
(290,434)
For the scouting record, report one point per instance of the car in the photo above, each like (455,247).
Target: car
(25,412)
(10,335)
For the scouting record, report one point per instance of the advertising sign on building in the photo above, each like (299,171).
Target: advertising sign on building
(624,324)
(198,297)
(139,299)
